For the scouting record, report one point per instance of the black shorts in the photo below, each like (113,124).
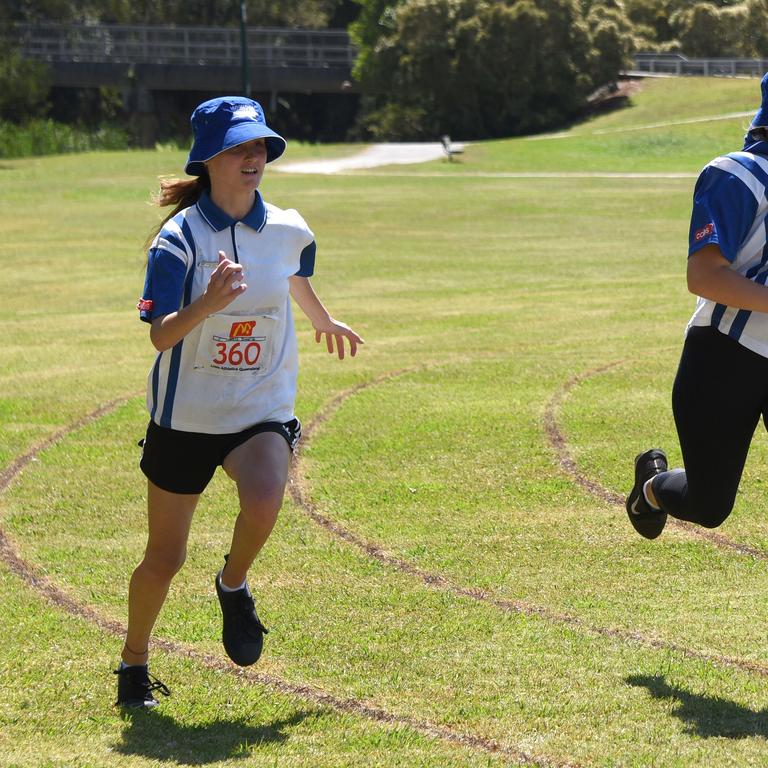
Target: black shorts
(184,462)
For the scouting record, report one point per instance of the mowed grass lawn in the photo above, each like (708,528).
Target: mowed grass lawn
(487,302)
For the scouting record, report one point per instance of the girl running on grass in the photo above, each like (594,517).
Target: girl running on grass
(721,388)
(222,389)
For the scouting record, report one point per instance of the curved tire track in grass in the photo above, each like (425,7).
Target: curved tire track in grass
(301,498)
(41,584)
(559,444)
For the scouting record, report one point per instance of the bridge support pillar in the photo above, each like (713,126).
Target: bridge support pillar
(139,102)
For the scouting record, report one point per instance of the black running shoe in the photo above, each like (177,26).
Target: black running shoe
(243,633)
(135,686)
(646,520)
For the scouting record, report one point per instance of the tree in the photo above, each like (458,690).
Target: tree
(707,28)
(24,87)
(374,22)
(651,14)
(303,13)
(707,31)
(756,28)
(613,40)
(477,68)
(498,59)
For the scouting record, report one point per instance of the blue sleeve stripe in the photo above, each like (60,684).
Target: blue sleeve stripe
(185,228)
(307,261)
(724,207)
(752,165)
(164,284)
(173,240)
(187,232)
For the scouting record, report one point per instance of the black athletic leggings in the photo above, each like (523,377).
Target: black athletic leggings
(720,392)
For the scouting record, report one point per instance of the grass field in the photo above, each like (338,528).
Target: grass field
(440,589)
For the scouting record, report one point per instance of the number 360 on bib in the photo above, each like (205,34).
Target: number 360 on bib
(233,345)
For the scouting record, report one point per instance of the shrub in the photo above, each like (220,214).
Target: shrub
(47,137)
(481,68)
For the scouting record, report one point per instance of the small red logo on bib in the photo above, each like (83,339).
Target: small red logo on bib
(242,329)
(145,305)
(704,231)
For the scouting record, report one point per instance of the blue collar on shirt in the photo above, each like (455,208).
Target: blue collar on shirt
(256,218)
(756,147)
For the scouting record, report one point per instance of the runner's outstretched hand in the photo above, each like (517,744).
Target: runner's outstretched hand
(334,329)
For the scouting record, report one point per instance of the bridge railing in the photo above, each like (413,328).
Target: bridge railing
(676,64)
(267,46)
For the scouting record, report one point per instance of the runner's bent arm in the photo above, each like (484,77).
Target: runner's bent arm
(222,289)
(710,276)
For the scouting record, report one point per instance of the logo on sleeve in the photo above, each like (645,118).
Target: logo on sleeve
(704,232)
(145,305)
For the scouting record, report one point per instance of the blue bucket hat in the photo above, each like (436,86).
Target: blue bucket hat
(760,120)
(225,122)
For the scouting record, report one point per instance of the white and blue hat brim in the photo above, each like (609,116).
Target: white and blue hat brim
(237,134)
(226,122)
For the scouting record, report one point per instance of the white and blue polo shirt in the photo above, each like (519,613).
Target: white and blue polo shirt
(272,245)
(730,209)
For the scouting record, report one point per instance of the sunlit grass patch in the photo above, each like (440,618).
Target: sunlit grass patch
(487,304)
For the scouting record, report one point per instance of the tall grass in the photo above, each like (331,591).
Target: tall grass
(47,137)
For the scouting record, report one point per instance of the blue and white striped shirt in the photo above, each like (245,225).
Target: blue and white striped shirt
(272,245)
(730,209)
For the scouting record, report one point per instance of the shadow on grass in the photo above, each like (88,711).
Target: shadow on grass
(154,735)
(706,716)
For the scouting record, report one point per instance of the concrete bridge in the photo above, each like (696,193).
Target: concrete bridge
(190,58)
(145,60)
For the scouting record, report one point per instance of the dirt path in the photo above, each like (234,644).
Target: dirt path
(371,157)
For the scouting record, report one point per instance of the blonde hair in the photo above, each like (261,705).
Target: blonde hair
(181,194)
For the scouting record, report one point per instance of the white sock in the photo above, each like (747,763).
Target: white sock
(225,588)
(123,665)
(645,494)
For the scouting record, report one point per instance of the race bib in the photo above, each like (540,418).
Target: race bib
(236,345)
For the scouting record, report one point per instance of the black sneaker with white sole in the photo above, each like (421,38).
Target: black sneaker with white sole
(242,633)
(135,686)
(646,520)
